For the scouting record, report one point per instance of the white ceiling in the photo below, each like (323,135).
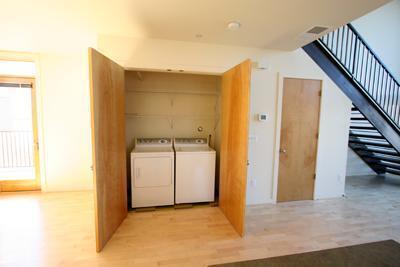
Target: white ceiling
(273,24)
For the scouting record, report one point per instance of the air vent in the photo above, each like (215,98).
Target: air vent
(317,30)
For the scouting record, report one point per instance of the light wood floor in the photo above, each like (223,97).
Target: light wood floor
(56,229)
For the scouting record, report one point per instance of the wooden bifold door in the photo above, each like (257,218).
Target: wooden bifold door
(235,103)
(108,138)
(109,156)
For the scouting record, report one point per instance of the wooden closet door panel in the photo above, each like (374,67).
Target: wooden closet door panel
(108,138)
(299,139)
(235,101)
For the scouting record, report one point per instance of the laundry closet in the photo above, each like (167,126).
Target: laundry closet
(134,108)
(171,111)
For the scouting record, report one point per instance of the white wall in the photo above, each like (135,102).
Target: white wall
(58,42)
(207,58)
(356,166)
(157,54)
(63,105)
(380,29)
(333,133)
(65,115)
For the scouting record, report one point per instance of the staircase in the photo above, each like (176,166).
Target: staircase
(371,146)
(375,116)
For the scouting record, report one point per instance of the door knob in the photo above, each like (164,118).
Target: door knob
(282,151)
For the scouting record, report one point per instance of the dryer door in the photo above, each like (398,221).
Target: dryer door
(152,171)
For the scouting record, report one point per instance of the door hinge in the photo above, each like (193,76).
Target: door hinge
(320,93)
(315,176)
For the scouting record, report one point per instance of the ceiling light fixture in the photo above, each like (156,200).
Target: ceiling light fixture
(234,25)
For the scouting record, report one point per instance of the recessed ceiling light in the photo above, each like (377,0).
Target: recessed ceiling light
(234,25)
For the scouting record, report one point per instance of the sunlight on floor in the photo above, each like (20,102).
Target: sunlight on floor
(20,229)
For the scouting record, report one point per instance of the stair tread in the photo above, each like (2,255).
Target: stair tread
(386,164)
(394,158)
(376,140)
(373,136)
(359,118)
(362,127)
(361,123)
(365,131)
(382,150)
(371,143)
(393,171)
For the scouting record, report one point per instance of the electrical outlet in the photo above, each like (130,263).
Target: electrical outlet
(253,138)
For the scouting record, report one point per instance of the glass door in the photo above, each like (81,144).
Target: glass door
(19,157)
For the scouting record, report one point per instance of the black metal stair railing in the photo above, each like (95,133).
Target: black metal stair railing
(355,56)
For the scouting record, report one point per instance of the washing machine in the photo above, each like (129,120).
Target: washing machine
(152,172)
(194,170)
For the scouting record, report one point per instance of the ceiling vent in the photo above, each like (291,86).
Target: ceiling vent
(317,30)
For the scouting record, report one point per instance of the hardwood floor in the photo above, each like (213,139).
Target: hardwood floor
(57,229)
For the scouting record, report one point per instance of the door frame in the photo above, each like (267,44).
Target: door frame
(278,125)
(26,185)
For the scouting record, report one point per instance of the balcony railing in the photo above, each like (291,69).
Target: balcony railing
(16,149)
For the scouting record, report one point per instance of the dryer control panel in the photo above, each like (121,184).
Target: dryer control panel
(151,142)
(191,142)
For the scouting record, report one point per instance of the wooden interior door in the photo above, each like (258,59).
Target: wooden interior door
(299,137)
(235,101)
(19,144)
(108,139)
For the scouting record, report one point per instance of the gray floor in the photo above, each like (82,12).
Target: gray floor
(365,186)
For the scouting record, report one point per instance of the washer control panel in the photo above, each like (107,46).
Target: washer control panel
(153,142)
